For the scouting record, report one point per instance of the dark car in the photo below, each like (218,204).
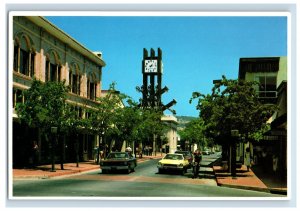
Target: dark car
(188,156)
(116,161)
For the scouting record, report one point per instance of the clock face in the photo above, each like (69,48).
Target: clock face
(151,66)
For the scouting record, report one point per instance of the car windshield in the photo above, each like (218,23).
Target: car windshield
(173,157)
(117,155)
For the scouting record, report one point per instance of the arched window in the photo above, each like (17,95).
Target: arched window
(92,86)
(24,55)
(53,67)
(75,78)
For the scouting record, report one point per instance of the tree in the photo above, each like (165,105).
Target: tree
(232,105)
(151,126)
(102,117)
(127,121)
(73,125)
(194,132)
(44,107)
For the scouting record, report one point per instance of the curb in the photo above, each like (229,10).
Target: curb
(266,190)
(55,174)
(278,191)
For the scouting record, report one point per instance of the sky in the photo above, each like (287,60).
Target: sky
(195,49)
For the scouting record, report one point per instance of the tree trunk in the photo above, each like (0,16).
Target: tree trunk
(98,150)
(53,140)
(77,150)
(233,159)
(154,144)
(62,153)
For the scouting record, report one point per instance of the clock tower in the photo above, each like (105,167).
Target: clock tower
(152,69)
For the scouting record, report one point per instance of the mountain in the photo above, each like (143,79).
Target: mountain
(183,120)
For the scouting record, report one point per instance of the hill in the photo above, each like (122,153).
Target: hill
(183,120)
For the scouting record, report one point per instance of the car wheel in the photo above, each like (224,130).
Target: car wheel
(104,171)
(160,171)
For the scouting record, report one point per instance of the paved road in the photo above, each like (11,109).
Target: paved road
(144,182)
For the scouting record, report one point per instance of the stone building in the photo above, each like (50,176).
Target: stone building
(43,51)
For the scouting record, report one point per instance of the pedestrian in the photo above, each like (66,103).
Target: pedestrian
(196,163)
(35,154)
(140,152)
(146,150)
(275,163)
(129,150)
(150,150)
(248,158)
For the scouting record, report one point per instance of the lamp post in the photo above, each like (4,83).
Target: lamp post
(53,132)
(234,135)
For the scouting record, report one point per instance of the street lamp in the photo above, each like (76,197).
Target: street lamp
(54,132)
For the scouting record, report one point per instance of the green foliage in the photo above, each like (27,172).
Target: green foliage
(194,132)
(44,104)
(127,120)
(101,120)
(233,104)
(151,123)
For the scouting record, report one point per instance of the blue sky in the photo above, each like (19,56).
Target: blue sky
(195,50)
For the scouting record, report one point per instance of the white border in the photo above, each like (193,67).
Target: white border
(147,13)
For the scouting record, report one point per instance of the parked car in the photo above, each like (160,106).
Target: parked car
(173,161)
(118,161)
(188,156)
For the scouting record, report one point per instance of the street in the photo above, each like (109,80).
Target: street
(144,182)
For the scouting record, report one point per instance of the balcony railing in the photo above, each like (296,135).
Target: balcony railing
(267,96)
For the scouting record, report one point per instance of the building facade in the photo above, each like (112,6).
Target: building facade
(43,51)
(271,74)
(171,134)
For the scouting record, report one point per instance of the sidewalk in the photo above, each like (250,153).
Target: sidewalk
(246,180)
(44,171)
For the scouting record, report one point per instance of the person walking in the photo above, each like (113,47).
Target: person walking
(196,163)
(248,158)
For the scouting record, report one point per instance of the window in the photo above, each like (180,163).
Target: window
(267,86)
(77,111)
(53,68)
(16,58)
(24,62)
(92,87)
(24,56)
(75,83)
(91,90)
(75,79)
(17,97)
(87,115)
